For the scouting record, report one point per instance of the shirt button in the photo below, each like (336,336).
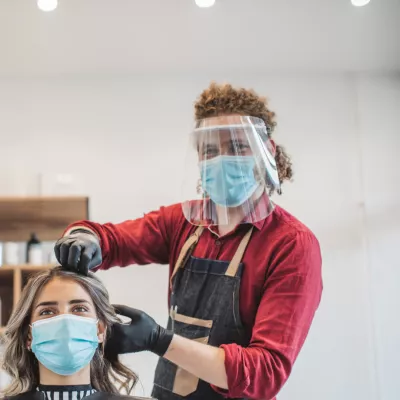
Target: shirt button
(218,243)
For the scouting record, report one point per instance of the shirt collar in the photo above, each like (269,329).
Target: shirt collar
(264,206)
(64,388)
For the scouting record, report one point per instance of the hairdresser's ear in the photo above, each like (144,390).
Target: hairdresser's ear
(101,331)
(271,146)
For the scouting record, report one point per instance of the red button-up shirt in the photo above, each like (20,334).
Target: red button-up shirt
(279,294)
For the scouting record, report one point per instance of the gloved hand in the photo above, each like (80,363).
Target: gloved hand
(79,251)
(143,333)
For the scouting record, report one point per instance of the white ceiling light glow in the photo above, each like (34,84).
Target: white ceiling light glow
(359,3)
(205,3)
(47,5)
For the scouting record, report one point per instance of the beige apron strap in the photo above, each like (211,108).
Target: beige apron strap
(186,251)
(186,383)
(237,258)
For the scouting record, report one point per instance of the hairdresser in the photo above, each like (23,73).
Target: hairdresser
(244,274)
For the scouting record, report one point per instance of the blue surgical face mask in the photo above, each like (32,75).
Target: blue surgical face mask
(65,344)
(229,180)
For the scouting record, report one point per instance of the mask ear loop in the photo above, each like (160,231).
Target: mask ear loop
(199,187)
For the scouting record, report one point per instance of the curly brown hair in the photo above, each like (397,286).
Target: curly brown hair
(220,99)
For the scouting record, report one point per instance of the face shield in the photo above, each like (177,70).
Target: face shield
(229,172)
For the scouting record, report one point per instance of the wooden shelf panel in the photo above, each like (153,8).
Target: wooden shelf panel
(25,267)
(45,216)
(7,295)
(26,273)
(12,280)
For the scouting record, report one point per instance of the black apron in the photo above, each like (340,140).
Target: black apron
(204,308)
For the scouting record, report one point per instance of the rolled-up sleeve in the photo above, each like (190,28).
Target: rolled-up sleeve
(291,295)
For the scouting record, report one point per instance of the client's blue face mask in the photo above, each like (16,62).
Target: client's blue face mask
(66,343)
(229,180)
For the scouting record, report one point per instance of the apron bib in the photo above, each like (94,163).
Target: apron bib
(204,308)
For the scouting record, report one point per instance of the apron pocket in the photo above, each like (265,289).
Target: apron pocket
(195,329)
(197,322)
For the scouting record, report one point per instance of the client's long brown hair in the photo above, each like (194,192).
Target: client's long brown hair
(21,365)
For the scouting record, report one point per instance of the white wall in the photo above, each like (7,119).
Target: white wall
(125,138)
(379,117)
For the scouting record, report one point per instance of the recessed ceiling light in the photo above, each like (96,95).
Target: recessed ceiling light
(359,3)
(205,3)
(47,5)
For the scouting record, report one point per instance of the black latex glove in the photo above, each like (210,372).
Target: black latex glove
(79,251)
(143,333)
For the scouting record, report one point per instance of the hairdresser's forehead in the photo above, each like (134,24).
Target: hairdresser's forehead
(62,291)
(227,119)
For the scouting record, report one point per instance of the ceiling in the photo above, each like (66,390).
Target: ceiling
(132,36)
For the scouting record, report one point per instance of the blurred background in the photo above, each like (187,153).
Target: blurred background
(96,107)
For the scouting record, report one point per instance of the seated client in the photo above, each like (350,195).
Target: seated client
(55,340)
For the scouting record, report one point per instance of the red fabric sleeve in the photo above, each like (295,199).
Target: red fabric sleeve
(292,293)
(141,241)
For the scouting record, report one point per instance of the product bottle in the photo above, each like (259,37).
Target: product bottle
(11,253)
(34,251)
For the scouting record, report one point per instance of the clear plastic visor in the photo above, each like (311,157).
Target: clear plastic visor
(230,171)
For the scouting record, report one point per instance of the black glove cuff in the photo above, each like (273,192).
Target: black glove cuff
(163,342)
(81,230)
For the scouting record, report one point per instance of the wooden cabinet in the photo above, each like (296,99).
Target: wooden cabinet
(12,280)
(45,216)
(21,216)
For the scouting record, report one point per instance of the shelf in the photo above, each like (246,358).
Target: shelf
(7,296)
(25,267)
(26,273)
(12,280)
(46,216)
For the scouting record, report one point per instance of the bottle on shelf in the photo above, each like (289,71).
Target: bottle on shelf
(11,253)
(34,251)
